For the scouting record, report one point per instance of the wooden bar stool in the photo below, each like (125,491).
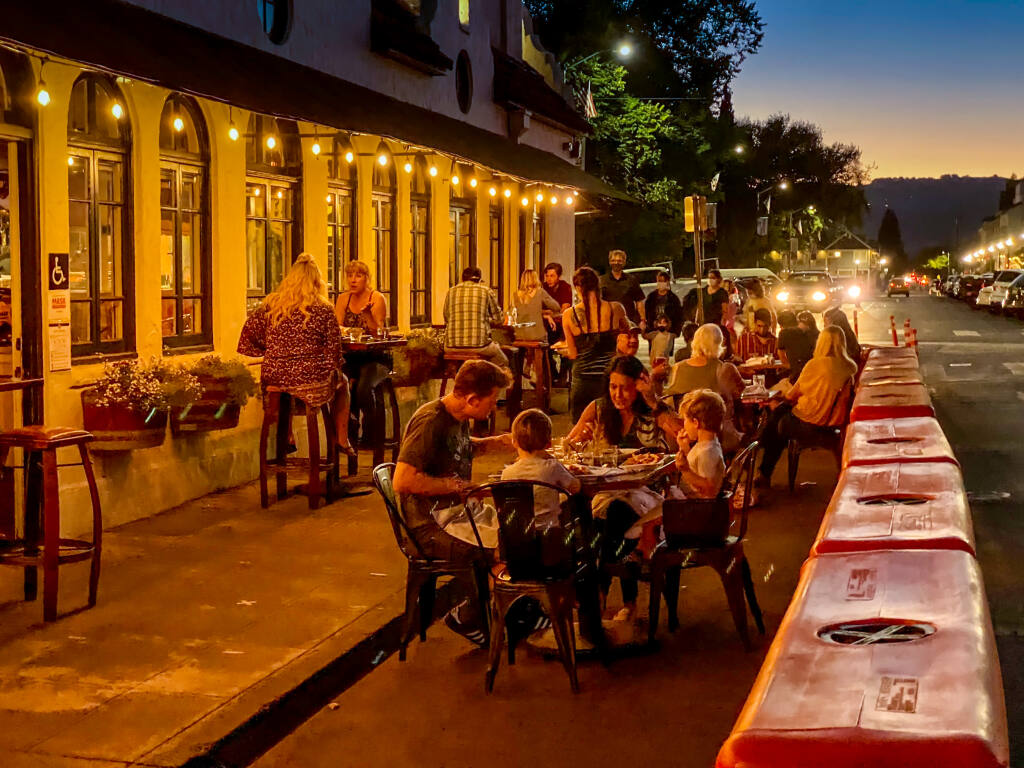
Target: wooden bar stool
(537,351)
(277,410)
(40,444)
(452,361)
(384,398)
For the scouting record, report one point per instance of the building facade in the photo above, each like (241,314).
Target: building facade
(182,154)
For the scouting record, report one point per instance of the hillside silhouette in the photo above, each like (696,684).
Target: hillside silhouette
(931,210)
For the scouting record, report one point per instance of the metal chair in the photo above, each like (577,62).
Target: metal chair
(539,563)
(824,438)
(705,532)
(421,580)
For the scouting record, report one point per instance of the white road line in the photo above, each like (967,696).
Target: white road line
(1017,369)
(966,333)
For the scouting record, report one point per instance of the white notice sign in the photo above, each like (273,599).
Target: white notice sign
(60,347)
(60,307)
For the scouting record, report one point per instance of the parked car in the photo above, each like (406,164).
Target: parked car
(952,286)
(898,285)
(746,275)
(816,291)
(1000,288)
(969,287)
(985,291)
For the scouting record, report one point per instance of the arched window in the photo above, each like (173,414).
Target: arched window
(184,224)
(99,147)
(462,220)
(273,239)
(341,213)
(384,250)
(419,313)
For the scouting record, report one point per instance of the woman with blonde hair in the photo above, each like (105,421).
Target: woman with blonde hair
(533,305)
(295,332)
(706,370)
(819,400)
(361,307)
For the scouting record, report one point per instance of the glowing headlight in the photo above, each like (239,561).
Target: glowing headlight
(818,296)
(854,291)
(782,295)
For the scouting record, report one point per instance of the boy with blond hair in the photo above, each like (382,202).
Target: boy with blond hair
(700,461)
(531,436)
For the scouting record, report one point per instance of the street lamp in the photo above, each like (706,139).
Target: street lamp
(622,50)
(782,185)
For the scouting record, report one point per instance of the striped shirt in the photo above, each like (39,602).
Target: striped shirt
(751,345)
(469,310)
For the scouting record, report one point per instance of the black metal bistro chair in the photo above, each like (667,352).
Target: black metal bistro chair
(539,562)
(708,532)
(421,581)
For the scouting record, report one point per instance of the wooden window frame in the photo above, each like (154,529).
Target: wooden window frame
(267,183)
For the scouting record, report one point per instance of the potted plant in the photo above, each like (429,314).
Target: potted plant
(226,386)
(421,359)
(126,408)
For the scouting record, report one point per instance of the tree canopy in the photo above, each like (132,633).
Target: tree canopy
(890,241)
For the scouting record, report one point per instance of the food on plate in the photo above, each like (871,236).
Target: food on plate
(642,459)
(578,469)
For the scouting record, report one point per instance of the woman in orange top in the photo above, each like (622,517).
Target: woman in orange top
(819,399)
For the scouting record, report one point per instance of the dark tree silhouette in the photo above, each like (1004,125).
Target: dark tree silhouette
(890,241)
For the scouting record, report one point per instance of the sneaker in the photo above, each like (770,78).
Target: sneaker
(472,633)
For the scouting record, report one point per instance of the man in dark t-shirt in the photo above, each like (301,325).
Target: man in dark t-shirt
(713,296)
(795,346)
(434,468)
(618,286)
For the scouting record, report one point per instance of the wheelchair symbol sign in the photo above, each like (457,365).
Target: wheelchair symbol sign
(59,269)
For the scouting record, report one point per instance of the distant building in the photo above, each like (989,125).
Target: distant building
(1000,240)
(849,256)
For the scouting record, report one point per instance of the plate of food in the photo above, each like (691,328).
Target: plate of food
(642,460)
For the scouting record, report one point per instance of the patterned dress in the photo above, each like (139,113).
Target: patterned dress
(301,355)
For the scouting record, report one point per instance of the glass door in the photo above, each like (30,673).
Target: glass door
(10,362)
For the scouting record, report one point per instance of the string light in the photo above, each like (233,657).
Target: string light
(508,192)
(328,198)
(117,111)
(382,159)
(554,200)
(271,142)
(255,191)
(455,180)
(315,148)
(233,133)
(179,124)
(524,201)
(540,197)
(493,192)
(570,200)
(408,167)
(71,159)
(280,194)
(472,183)
(42,94)
(432,170)
(349,157)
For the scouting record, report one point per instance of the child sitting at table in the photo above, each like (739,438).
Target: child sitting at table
(531,436)
(700,460)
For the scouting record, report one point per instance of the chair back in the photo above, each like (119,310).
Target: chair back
(531,552)
(382,481)
(740,479)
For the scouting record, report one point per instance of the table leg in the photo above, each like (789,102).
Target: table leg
(33,517)
(543,388)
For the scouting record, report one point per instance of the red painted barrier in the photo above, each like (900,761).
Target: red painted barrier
(891,354)
(890,374)
(904,441)
(897,506)
(891,401)
(884,659)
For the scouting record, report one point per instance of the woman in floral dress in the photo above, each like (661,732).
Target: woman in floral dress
(296,333)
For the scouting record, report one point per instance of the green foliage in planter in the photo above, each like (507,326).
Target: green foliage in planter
(241,383)
(420,359)
(145,386)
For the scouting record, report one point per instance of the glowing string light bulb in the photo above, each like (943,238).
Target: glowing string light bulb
(179,124)
(233,133)
(315,149)
(349,157)
(432,170)
(271,142)
(473,183)
(117,111)
(407,167)
(508,192)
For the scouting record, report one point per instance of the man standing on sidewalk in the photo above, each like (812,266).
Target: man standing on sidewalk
(434,468)
(616,285)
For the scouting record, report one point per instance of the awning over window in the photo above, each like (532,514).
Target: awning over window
(140,44)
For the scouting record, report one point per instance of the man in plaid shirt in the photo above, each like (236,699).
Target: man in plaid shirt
(759,340)
(470,308)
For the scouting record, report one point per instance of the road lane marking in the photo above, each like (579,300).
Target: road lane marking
(1017,369)
(966,333)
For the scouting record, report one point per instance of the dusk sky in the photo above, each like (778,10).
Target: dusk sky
(923,88)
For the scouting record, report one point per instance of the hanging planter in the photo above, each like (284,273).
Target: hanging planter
(126,408)
(225,385)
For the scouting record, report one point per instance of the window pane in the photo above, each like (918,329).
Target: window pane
(110,320)
(191,316)
(110,250)
(79,248)
(81,324)
(108,181)
(190,191)
(168,312)
(280,203)
(255,201)
(330,209)
(190,250)
(256,255)
(279,248)
(78,178)
(167,191)
(332,258)
(167,256)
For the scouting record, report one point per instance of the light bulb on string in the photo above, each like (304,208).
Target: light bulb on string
(554,200)
(493,191)
(507,192)
(570,200)
(271,142)
(233,133)
(349,157)
(432,170)
(71,159)
(315,149)
(255,191)
(42,95)
(540,197)
(117,111)
(455,180)
(179,124)
(280,194)
(473,183)
(524,201)
(382,159)
(407,167)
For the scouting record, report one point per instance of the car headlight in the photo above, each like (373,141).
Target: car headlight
(854,291)
(782,295)
(818,296)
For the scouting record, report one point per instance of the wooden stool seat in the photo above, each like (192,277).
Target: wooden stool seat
(277,406)
(41,438)
(40,444)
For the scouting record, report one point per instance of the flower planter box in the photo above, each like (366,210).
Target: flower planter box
(210,413)
(119,428)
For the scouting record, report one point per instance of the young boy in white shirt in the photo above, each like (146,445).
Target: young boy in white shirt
(700,460)
(531,436)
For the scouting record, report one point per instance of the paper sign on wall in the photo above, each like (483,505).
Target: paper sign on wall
(60,347)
